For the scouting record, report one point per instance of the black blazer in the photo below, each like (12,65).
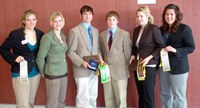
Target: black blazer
(150,43)
(12,47)
(182,40)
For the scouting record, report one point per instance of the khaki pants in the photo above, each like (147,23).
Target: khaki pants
(56,92)
(115,92)
(25,92)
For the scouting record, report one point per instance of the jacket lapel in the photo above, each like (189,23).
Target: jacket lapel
(175,36)
(104,38)
(55,38)
(84,36)
(22,38)
(116,38)
(94,36)
(144,34)
(64,41)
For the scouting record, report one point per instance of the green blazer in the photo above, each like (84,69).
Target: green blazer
(51,57)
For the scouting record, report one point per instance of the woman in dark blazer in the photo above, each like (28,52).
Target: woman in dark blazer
(147,43)
(179,43)
(52,63)
(24,44)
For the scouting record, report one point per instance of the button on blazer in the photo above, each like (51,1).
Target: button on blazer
(151,42)
(19,48)
(51,57)
(182,40)
(79,47)
(118,56)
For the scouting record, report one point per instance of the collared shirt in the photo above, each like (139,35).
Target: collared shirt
(113,31)
(86,28)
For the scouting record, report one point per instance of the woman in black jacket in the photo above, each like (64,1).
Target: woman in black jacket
(21,47)
(179,43)
(147,43)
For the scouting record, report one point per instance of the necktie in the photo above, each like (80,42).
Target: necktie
(110,39)
(90,35)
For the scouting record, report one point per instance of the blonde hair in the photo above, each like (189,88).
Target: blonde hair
(26,14)
(56,14)
(147,11)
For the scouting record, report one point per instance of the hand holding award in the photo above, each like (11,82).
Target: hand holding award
(141,71)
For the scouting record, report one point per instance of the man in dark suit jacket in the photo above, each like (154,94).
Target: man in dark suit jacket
(83,43)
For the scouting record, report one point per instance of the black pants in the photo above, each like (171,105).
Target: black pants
(146,88)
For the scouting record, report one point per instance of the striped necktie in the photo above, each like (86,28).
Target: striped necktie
(90,35)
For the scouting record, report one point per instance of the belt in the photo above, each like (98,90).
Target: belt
(55,77)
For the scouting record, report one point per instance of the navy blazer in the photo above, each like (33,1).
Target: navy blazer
(182,40)
(150,43)
(13,47)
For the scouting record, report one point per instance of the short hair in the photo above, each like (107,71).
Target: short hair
(147,11)
(56,14)
(179,17)
(86,8)
(26,14)
(112,13)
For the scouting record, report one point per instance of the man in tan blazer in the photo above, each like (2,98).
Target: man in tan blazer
(116,51)
(84,43)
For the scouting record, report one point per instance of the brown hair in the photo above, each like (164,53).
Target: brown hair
(175,25)
(86,8)
(25,14)
(112,13)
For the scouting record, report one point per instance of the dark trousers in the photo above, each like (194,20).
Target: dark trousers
(146,88)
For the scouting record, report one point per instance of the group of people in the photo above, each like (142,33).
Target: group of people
(46,56)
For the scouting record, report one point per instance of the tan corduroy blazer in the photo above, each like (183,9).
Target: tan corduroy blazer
(119,55)
(79,47)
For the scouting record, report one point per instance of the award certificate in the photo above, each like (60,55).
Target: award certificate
(23,72)
(141,71)
(165,60)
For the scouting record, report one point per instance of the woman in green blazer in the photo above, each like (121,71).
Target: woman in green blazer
(52,64)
